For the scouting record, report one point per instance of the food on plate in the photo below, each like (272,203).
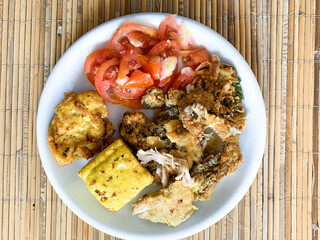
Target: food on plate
(115,176)
(193,141)
(189,146)
(80,127)
(134,128)
(171,205)
(153,98)
(137,58)
(214,166)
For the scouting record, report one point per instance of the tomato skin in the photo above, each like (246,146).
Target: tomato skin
(170,30)
(141,40)
(161,62)
(195,57)
(151,66)
(126,28)
(95,59)
(165,48)
(105,78)
(185,77)
(129,62)
(139,80)
(133,104)
(127,93)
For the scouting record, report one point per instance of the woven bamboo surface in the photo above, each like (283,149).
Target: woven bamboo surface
(279,40)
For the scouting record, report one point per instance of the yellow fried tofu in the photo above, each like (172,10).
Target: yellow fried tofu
(115,176)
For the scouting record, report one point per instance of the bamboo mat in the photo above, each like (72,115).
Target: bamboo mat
(280,41)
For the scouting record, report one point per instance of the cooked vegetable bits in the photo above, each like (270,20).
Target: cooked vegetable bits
(115,176)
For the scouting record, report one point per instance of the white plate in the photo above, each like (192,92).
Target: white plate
(68,76)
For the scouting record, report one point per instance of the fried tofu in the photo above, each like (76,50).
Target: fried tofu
(80,127)
(115,176)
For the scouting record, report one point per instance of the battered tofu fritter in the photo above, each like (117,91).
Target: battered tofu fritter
(80,128)
(172,205)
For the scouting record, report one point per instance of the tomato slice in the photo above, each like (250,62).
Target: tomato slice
(168,66)
(139,79)
(150,65)
(165,49)
(132,103)
(193,58)
(105,77)
(185,77)
(95,59)
(125,29)
(170,30)
(129,62)
(141,40)
(127,93)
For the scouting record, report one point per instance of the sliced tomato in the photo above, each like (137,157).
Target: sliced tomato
(168,66)
(170,30)
(193,58)
(127,93)
(139,79)
(150,65)
(185,77)
(132,103)
(141,40)
(125,29)
(165,49)
(95,59)
(129,62)
(105,77)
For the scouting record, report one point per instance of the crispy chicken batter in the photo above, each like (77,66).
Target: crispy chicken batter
(183,139)
(172,205)
(199,110)
(208,174)
(134,128)
(80,128)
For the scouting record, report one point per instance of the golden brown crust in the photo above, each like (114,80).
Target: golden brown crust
(80,128)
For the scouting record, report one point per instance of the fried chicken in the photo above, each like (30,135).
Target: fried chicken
(134,129)
(172,205)
(153,98)
(208,173)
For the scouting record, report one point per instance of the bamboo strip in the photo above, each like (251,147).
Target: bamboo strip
(236,25)
(19,129)
(197,10)
(300,167)
(27,170)
(225,19)
(12,131)
(316,147)
(208,13)
(191,9)
(203,12)
(294,125)
(175,7)
(22,173)
(308,126)
(254,188)
(289,127)
(220,17)
(271,217)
